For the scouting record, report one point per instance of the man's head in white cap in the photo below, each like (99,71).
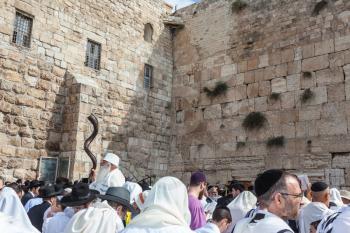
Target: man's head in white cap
(109,163)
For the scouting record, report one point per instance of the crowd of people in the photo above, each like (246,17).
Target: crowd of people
(277,202)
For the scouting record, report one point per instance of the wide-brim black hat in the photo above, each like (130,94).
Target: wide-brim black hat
(80,195)
(119,195)
(49,191)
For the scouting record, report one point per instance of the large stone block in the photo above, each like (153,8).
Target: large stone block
(293,82)
(342,43)
(278,85)
(327,76)
(212,112)
(253,90)
(315,63)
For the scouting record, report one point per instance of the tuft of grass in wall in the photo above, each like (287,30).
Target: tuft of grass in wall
(238,5)
(219,89)
(307,74)
(307,95)
(275,96)
(276,141)
(319,7)
(240,145)
(254,120)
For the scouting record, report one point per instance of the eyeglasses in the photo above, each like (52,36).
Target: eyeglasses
(300,195)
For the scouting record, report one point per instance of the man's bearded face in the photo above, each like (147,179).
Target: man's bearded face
(105,168)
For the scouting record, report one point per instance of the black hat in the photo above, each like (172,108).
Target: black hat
(319,186)
(80,195)
(49,191)
(266,180)
(119,195)
(34,184)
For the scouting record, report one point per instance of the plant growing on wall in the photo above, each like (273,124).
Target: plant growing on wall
(238,5)
(319,6)
(276,141)
(275,96)
(254,120)
(219,89)
(307,95)
(307,74)
(240,145)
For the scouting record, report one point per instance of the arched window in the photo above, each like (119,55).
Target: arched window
(148,32)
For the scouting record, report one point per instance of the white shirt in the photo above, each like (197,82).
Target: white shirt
(312,212)
(56,224)
(262,222)
(33,202)
(208,228)
(114,178)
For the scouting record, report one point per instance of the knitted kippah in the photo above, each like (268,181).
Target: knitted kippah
(266,180)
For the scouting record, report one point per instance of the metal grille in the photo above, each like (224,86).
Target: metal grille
(23,30)
(148,75)
(93,55)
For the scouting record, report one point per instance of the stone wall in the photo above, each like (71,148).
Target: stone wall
(47,92)
(279,47)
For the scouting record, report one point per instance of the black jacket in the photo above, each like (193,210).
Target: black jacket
(26,197)
(36,215)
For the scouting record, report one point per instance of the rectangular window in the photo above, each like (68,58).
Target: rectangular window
(148,76)
(23,30)
(93,55)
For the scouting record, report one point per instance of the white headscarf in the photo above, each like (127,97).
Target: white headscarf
(166,205)
(335,197)
(100,218)
(134,189)
(11,206)
(240,206)
(312,212)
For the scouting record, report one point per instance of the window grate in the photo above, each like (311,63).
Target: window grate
(23,30)
(93,55)
(148,76)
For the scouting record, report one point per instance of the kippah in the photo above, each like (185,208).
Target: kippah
(319,186)
(266,180)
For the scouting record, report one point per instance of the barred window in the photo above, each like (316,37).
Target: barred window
(148,76)
(93,55)
(23,30)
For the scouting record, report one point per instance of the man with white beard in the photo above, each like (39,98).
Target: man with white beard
(109,174)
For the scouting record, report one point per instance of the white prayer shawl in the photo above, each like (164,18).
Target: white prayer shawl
(208,228)
(209,209)
(57,223)
(335,198)
(10,225)
(312,212)
(11,206)
(240,206)
(339,222)
(141,199)
(33,202)
(166,209)
(114,178)
(134,188)
(262,222)
(99,218)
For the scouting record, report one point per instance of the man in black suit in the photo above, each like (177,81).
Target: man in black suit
(32,192)
(36,213)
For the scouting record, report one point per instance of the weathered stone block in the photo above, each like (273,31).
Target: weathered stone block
(327,76)
(264,88)
(241,92)
(324,47)
(336,92)
(230,109)
(315,63)
(212,112)
(253,90)
(310,113)
(278,85)
(293,82)
(342,43)
(229,69)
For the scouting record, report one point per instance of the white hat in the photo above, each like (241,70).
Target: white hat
(112,158)
(345,194)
